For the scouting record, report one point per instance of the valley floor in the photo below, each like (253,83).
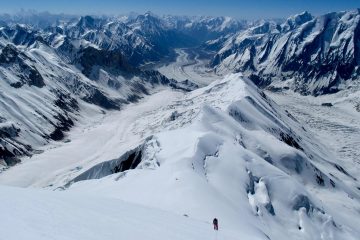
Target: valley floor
(189,66)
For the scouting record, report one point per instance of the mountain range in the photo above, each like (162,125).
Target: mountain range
(173,116)
(319,54)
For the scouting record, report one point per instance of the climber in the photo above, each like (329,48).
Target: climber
(215,223)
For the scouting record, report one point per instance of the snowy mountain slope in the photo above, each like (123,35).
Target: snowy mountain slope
(46,214)
(43,94)
(318,54)
(90,59)
(225,150)
(70,61)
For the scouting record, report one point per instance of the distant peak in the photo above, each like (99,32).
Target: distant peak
(297,20)
(86,21)
(150,14)
(304,13)
(301,17)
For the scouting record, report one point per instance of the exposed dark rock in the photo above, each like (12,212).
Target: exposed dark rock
(17,84)
(289,140)
(57,134)
(327,104)
(100,99)
(133,98)
(35,78)
(320,180)
(112,61)
(64,124)
(184,85)
(9,157)
(269,207)
(9,54)
(11,57)
(357,107)
(252,180)
(332,183)
(292,117)
(66,102)
(11,149)
(302,201)
(9,131)
(174,115)
(251,190)
(341,169)
(131,162)
(127,161)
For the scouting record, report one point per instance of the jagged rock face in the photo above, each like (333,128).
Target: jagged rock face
(318,53)
(113,61)
(11,58)
(18,34)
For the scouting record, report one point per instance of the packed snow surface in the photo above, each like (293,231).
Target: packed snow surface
(165,167)
(44,215)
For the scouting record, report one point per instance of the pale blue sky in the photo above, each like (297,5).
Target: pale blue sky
(237,8)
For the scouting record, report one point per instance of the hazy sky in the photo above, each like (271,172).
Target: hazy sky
(237,8)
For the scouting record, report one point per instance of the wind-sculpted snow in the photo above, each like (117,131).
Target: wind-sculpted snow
(212,159)
(217,151)
(318,55)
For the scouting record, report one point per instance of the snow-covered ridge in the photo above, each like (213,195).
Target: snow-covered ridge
(229,146)
(224,150)
(319,54)
(232,139)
